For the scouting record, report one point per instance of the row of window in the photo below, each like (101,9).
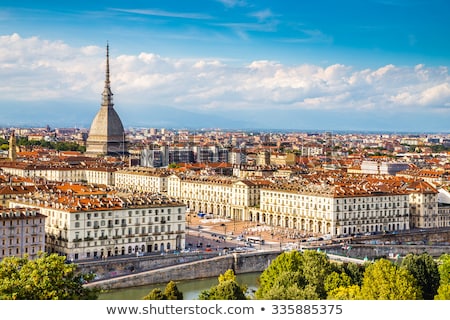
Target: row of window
(130,213)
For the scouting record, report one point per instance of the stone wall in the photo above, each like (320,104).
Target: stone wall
(121,266)
(206,268)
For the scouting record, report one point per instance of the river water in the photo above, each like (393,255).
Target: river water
(190,288)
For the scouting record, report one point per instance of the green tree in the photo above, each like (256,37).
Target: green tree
(226,289)
(443,292)
(425,270)
(170,292)
(336,280)
(290,285)
(352,292)
(46,278)
(155,294)
(295,271)
(355,272)
(286,262)
(444,268)
(385,281)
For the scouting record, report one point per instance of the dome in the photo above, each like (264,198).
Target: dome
(106,135)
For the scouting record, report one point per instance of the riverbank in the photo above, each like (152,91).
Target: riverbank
(190,288)
(240,263)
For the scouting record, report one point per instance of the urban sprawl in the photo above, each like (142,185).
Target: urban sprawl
(107,191)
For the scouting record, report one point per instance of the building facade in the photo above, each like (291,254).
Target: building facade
(84,226)
(22,232)
(216,195)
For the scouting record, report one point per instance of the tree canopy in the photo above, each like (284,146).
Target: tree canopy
(227,289)
(425,270)
(171,292)
(46,278)
(300,274)
(384,280)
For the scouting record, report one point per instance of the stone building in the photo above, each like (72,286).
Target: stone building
(22,232)
(83,223)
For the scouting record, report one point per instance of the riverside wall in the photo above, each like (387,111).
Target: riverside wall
(205,268)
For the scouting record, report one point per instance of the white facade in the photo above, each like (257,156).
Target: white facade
(219,196)
(328,213)
(142,180)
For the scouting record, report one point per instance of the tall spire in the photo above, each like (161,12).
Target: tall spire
(12,146)
(107,94)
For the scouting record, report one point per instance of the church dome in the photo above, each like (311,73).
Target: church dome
(106,135)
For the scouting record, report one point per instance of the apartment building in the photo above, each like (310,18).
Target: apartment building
(325,203)
(22,232)
(333,209)
(382,167)
(97,173)
(83,224)
(141,179)
(424,210)
(217,195)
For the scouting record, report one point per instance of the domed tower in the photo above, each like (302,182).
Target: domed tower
(106,135)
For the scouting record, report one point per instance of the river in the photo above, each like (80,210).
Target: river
(190,288)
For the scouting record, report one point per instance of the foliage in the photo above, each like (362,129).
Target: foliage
(443,292)
(226,289)
(352,292)
(355,272)
(295,271)
(171,292)
(59,146)
(310,275)
(336,280)
(425,271)
(155,294)
(444,268)
(46,278)
(285,262)
(385,281)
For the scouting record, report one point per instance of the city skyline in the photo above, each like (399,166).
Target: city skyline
(232,64)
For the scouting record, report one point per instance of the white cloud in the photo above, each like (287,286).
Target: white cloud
(36,69)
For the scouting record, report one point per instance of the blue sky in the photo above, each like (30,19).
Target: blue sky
(304,65)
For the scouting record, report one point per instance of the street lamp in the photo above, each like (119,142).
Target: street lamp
(188,222)
(224,229)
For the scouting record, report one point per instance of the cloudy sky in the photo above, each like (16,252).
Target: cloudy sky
(379,65)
